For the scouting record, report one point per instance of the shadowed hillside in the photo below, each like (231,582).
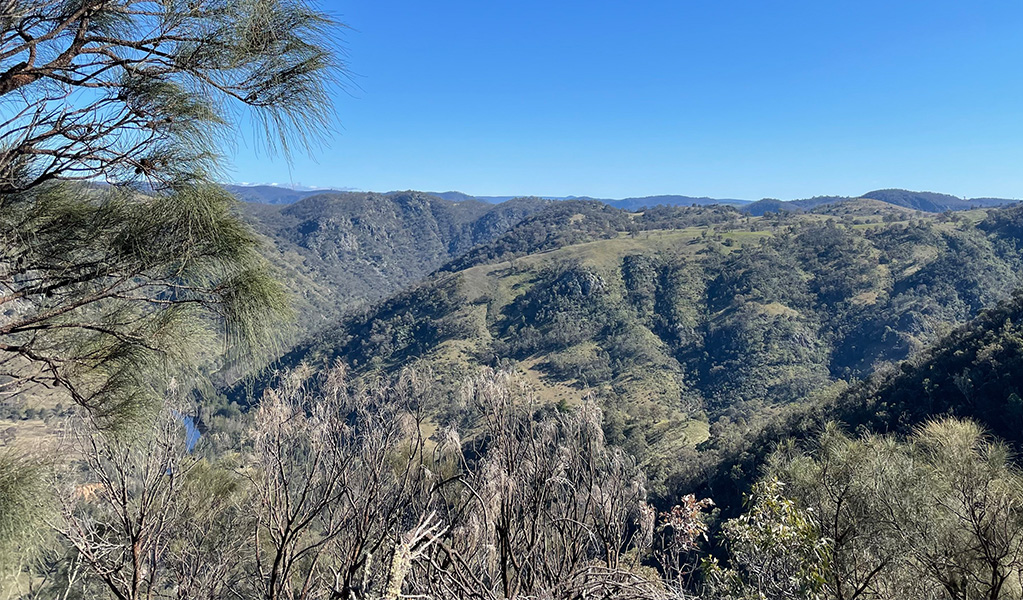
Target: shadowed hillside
(975,372)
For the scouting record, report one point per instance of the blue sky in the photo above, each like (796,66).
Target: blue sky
(729,99)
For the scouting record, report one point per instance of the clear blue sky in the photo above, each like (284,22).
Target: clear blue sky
(721,98)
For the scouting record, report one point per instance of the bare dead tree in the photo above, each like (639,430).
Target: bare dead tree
(546,509)
(143,517)
(339,494)
(117,510)
(116,518)
(340,482)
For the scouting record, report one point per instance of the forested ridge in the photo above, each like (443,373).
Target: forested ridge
(680,319)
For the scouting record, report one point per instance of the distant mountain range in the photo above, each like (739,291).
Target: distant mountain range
(634,204)
(460,197)
(630,204)
(923,201)
(272,194)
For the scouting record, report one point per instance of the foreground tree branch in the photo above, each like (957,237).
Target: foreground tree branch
(138,90)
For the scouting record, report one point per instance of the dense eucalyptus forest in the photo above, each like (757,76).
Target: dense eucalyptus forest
(346,395)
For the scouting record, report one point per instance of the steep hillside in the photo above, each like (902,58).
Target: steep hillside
(338,251)
(975,372)
(681,318)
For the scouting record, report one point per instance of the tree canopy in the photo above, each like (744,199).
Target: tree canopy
(117,254)
(137,90)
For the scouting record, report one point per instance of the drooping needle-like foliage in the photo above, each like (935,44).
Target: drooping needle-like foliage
(102,284)
(127,90)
